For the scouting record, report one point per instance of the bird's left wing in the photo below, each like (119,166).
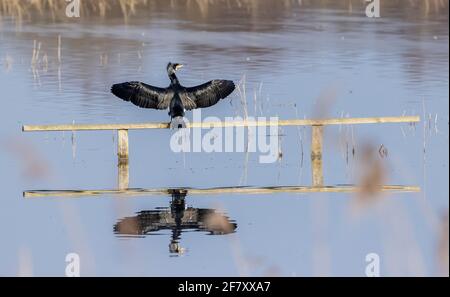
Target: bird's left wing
(207,94)
(143,95)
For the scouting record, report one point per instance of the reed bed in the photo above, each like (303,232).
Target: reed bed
(55,9)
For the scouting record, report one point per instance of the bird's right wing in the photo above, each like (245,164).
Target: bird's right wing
(208,94)
(143,95)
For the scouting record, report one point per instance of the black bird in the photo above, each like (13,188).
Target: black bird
(178,218)
(176,98)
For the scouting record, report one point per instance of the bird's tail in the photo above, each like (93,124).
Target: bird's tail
(177,123)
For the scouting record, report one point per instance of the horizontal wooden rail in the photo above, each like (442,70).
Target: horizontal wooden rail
(211,191)
(316,153)
(294,122)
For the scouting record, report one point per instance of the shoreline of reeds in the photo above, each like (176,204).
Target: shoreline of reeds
(55,10)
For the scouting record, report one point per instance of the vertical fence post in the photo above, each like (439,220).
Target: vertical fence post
(122,146)
(316,155)
(123,176)
(122,154)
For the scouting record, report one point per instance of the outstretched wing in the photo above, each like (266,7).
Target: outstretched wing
(207,94)
(143,95)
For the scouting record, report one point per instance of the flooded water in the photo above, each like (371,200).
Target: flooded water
(291,61)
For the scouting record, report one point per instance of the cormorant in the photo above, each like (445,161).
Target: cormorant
(178,218)
(176,98)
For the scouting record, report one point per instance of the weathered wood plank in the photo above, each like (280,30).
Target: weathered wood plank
(316,155)
(294,122)
(211,191)
(123,176)
(122,146)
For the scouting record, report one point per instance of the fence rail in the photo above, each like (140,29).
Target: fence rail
(317,127)
(216,191)
(293,122)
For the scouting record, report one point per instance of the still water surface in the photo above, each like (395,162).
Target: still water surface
(296,62)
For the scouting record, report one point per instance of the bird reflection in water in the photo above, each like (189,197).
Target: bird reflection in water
(178,218)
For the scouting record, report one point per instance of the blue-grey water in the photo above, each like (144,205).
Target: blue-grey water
(297,62)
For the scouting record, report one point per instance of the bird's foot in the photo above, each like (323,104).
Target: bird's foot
(177,123)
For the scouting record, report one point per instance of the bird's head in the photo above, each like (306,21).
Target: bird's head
(173,67)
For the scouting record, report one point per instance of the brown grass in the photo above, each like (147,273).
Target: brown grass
(30,9)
